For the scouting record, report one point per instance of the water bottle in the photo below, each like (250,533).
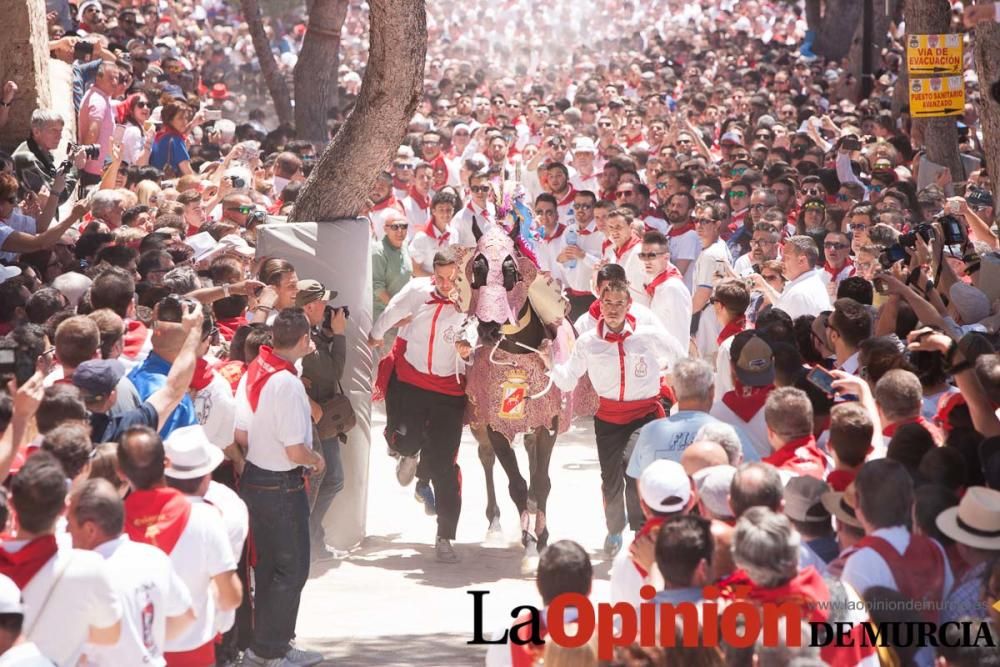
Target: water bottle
(571,237)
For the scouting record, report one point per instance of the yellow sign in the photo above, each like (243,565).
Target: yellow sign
(938,96)
(934,54)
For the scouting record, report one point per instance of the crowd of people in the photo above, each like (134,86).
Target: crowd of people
(787,313)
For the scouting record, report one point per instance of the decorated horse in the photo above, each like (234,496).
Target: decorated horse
(509,391)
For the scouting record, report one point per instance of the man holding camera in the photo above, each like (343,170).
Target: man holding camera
(33,160)
(321,373)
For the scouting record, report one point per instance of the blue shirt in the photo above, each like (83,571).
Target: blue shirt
(666,439)
(149,377)
(169,146)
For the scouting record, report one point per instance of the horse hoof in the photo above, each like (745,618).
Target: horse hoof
(494,535)
(543,539)
(528,540)
(529,561)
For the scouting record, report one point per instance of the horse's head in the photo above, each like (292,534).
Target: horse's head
(499,277)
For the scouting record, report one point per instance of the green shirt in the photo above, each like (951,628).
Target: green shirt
(391,269)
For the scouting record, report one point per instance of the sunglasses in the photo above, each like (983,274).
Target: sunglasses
(585,207)
(739,171)
(858,227)
(480,189)
(142,105)
(834,246)
(738,195)
(705,221)
(403,165)
(245,210)
(398,227)
(651,255)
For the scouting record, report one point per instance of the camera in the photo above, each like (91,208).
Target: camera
(892,254)
(850,143)
(953,228)
(173,306)
(330,311)
(256,218)
(92,151)
(909,239)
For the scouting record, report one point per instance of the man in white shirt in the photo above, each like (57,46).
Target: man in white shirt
(15,649)
(848,325)
(156,603)
(804,293)
(625,364)
(68,595)
(479,209)
(582,252)
(557,183)
(664,290)
(553,241)
(417,203)
(434,235)
(685,245)
(425,398)
(837,265)
(623,246)
(274,428)
(584,176)
(752,376)
(713,263)
(642,314)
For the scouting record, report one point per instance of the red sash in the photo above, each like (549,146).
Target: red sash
(440,384)
(746,402)
(800,456)
(260,371)
(385,368)
(631,243)
(136,334)
(23,565)
(157,517)
(203,656)
(919,571)
(677,230)
(670,272)
(731,329)
(228,326)
(626,412)
(651,524)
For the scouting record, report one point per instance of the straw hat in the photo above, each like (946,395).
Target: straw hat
(842,505)
(975,522)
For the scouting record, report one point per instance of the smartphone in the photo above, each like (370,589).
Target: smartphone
(119,133)
(822,379)
(213,114)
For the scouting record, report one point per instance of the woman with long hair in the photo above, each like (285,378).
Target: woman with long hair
(137,142)
(170,154)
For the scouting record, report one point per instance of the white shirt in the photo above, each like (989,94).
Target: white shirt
(590,241)
(685,246)
(671,303)
(24,655)
(446,321)
(865,568)
(237,521)
(723,369)
(635,271)
(17,222)
(806,295)
(627,372)
(626,580)
(548,249)
(462,223)
(424,246)
(283,419)
(215,409)
(150,590)
(201,553)
(83,597)
(415,215)
(755,429)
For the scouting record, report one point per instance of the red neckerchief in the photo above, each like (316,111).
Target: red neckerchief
(607,195)
(485,213)
(560,228)
(731,329)
(202,375)
(595,310)
(432,231)
(835,272)
(805,589)
(801,456)
(21,566)
(570,196)
(651,524)
(385,203)
(260,371)
(586,232)
(136,335)
(228,326)
(399,185)
(677,230)
(891,429)
(157,517)
(613,337)
(662,277)
(946,404)
(839,480)
(439,164)
(745,402)
(422,201)
(631,243)
(438,298)
(632,141)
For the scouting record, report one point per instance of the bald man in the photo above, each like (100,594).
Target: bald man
(703,454)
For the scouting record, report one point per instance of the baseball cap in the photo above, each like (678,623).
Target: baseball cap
(713,485)
(753,358)
(98,377)
(804,499)
(664,486)
(732,136)
(10,597)
(312,290)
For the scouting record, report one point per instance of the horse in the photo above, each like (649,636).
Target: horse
(509,391)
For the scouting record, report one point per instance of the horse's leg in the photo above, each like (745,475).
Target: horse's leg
(539,448)
(516,485)
(488,458)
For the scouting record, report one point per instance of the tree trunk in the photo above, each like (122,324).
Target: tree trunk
(986,48)
(346,171)
(880,35)
(930,17)
(25,61)
(268,66)
(841,23)
(316,87)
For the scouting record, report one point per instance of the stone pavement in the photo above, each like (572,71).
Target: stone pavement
(390,604)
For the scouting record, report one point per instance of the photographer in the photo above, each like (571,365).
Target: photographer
(321,373)
(34,162)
